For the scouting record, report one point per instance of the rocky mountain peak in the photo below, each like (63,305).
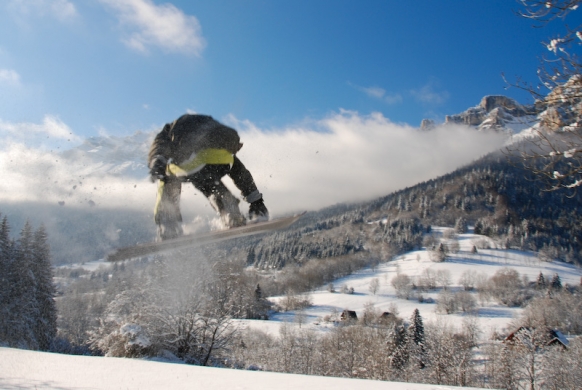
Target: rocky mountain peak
(494,112)
(491,102)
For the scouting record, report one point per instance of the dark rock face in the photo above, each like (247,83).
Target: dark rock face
(472,117)
(489,103)
(427,124)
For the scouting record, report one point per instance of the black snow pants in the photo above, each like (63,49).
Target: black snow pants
(208,181)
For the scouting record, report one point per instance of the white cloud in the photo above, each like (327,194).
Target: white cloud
(393,98)
(349,157)
(63,9)
(428,94)
(9,77)
(163,26)
(379,93)
(60,9)
(376,92)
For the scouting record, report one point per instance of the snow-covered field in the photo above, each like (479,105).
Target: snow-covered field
(26,369)
(491,317)
(20,369)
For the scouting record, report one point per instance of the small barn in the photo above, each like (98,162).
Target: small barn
(349,315)
(541,337)
(386,317)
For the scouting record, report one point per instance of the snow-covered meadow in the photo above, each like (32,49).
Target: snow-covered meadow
(490,316)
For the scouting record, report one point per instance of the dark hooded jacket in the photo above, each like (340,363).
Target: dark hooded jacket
(191,134)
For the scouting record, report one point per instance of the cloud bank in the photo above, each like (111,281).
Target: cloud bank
(345,157)
(349,157)
(163,26)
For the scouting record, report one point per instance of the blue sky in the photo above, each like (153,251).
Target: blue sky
(326,94)
(116,66)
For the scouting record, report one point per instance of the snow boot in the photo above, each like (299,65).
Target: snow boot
(226,204)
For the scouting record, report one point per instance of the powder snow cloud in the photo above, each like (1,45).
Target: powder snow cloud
(47,134)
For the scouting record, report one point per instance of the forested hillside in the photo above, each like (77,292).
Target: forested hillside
(497,196)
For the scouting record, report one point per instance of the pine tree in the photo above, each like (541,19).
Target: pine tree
(46,323)
(258,293)
(415,339)
(5,242)
(461,225)
(6,280)
(251,256)
(23,310)
(556,283)
(399,357)
(541,282)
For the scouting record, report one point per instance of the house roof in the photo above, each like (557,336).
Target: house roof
(552,336)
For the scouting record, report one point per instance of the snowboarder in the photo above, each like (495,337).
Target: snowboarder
(198,149)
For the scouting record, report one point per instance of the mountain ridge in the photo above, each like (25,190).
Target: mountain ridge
(495,112)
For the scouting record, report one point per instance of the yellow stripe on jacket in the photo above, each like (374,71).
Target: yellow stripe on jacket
(198,160)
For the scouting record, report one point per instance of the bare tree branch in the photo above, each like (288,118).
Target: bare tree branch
(553,150)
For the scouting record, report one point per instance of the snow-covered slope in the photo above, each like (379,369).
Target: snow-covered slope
(491,316)
(20,369)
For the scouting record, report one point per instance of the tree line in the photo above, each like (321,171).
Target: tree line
(28,315)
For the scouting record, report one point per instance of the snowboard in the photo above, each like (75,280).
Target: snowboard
(192,240)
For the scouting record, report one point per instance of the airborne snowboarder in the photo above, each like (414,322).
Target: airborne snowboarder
(199,149)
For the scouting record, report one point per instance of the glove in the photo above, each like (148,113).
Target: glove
(158,168)
(258,212)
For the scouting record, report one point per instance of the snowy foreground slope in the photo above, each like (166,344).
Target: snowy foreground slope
(20,369)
